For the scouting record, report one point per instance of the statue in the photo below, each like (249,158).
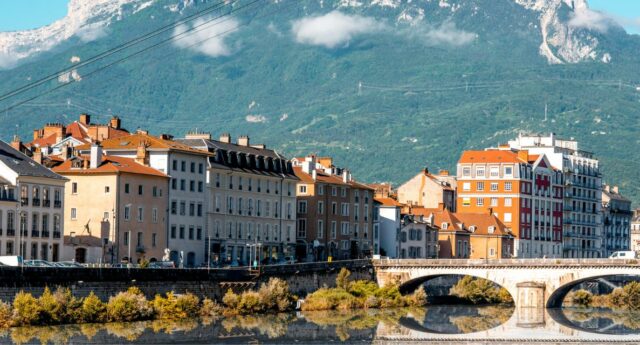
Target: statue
(167,255)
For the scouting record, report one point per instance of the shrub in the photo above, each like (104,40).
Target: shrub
(632,295)
(51,311)
(130,305)
(363,288)
(582,298)
(5,315)
(26,309)
(175,308)
(210,308)
(504,296)
(93,309)
(231,300)
(476,291)
(418,298)
(249,303)
(326,299)
(342,280)
(371,302)
(274,295)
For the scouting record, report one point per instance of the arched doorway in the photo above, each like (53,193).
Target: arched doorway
(81,255)
(191,259)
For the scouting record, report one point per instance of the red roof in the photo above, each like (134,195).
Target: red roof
(110,165)
(490,156)
(388,202)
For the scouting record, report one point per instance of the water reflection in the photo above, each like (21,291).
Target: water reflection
(454,324)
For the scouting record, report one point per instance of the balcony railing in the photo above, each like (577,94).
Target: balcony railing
(35,233)
(11,232)
(56,234)
(35,202)
(24,201)
(57,203)
(45,234)
(46,203)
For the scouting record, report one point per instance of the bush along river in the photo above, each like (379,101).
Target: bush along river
(352,312)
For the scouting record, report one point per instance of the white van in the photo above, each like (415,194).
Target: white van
(11,260)
(623,255)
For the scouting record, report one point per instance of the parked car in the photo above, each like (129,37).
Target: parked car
(162,264)
(622,255)
(38,263)
(11,260)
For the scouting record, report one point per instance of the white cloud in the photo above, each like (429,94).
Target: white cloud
(208,39)
(91,32)
(333,29)
(445,34)
(585,18)
(7,60)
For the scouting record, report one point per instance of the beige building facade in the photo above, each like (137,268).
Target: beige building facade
(428,190)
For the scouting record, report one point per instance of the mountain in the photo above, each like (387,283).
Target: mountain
(385,86)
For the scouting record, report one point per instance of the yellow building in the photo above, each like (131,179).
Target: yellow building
(115,209)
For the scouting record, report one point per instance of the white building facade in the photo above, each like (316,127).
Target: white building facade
(617,217)
(31,207)
(251,195)
(583,235)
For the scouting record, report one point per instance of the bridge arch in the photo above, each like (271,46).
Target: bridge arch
(557,296)
(411,285)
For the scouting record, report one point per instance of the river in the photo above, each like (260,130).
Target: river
(431,325)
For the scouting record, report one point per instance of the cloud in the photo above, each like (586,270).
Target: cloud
(333,29)
(585,18)
(7,60)
(208,39)
(445,34)
(91,32)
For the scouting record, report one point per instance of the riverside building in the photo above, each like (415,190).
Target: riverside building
(582,233)
(251,200)
(617,216)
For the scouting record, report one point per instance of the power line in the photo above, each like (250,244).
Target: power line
(116,49)
(165,41)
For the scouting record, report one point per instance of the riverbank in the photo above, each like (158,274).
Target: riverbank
(626,297)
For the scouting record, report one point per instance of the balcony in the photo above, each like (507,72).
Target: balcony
(11,232)
(35,202)
(46,203)
(56,234)
(35,233)
(57,204)
(24,201)
(140,249)
(45,234)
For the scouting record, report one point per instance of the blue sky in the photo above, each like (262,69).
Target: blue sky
(29,14)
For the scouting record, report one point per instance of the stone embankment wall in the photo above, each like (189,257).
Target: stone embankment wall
(106,282)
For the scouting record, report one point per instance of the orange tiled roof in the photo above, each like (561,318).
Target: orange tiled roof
(490,156)
(482,222)
(323,177)
(388,202)
(109,165)
(42,142)
(132,141)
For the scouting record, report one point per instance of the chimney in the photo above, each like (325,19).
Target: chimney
(37,155)
(165,136)
(425,170)
(141,131)
(345,176)
(309,164)
(243,140)
(37,134)
(85,119)
(607,188)
(524,155)
(96,155)
(142,155)
(225,138)
(431,218)
(259,146)
(314,174)
(197,135)
(441,206)
(615,190)
(114,122)
(16,143)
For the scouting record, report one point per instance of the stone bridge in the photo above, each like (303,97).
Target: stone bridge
(532,283)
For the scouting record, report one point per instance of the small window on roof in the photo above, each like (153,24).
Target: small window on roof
(124,143)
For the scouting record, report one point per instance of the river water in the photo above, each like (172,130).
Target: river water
(432,325)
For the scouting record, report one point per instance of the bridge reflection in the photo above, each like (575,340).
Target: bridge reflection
(530,325)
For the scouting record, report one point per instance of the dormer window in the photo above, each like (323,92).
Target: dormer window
(491,229)
(444,225)
(472,228)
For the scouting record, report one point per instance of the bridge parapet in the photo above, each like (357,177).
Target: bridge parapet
(542,263)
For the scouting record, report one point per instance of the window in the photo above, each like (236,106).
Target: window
(344,228)
(302,228)
(183,166)
(153,240)
(140,190)
(320,207)
(507,217)
(508,171)
(106,190)
(494,186)
(74,188)
(466,201)
(494,171)
(480,171)
(480,202)
(302,206)
(480,186)
(201,168)
(74,214)
(126,238)
(140,214)
(345,244)
(191,232)
(466,186)
(192,209)
(183,208)
(198,233)
(466,171)
(193,167)
(192,186)
(183,184)
(320,230)
(127,212)
(345,209)
(199,210)
(334,230)
(154,215)
(343,192)
(126,188)
(174,207)
(334,191)
(302,189)
(507,186)
(139,240)
(320,189)
(494,202)
(334,208)
(200,186)
(507,201)
(182,232)
(173,230)
(174,183)
(174,165)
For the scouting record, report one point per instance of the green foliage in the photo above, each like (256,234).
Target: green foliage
(231,299)
(93,309)
(418,298)
(130,305)
(342,280)
(176,308)
(479,291)
(275,295)
(26,309)
(582,298)
(361,288)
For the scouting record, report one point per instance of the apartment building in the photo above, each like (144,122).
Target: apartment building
(31,202)
(428,190)
(389,218)
(186,168)
(582,198)
(524,191)
(418,238)
(635,231)
(115,209)
(617,216)
(251,200)
(54,138)
(334,212)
